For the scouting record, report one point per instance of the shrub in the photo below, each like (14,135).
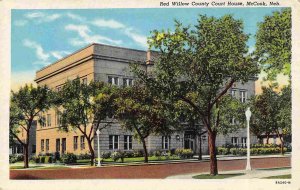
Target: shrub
(48,159)
(56,156)
(172,151)
(128,154)
(106,155)
(42,159)
(184,153)
(118,155)
(69,158)
(222,150)
(157,153)
(138,153)
(83,156)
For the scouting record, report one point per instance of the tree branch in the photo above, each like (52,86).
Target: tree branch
(222,92)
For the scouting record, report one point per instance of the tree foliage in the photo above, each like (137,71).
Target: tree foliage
(85,107)
(25,106)
(273,43)
(272,113)
(142,113)
(202,62)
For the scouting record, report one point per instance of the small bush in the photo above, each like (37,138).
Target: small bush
(157,153)
(172,151)
(138,153)
(42,159)
(118,155)
(184,153)
(129,154)
(56,156)
(69,158)
(106,155)
(84,156)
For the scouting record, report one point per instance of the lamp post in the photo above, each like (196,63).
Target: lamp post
(248,115)
(98,136)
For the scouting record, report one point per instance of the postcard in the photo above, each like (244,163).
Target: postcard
(149,94)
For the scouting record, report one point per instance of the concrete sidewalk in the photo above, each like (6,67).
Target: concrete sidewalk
(253,174)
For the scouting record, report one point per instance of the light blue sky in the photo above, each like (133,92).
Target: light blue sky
(40,37)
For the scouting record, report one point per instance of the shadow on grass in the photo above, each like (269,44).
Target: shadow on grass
(288,176)
(219,176)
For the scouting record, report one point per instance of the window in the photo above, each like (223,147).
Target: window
(47,145)
(113,142)
(234,141)
(233,93)
(58,118)
(84,80)
(82,145)
(43,121)
(63,145)
(58,88)
(232,122)
(244,142)
(75,142)
(243,96)
(165,142)
(113,80)
(48,120)
(127,142)
(57,145)
(42,145)
(127,82)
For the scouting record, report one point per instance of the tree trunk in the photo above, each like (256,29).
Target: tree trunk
(267,138)
(91,151)
(26,156)
(145,151)
(200,148)
(212,153)
(281,145)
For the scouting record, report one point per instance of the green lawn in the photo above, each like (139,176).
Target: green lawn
(22,167)
(219,176)
(288,176)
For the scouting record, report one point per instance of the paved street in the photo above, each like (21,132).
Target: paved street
(156,171)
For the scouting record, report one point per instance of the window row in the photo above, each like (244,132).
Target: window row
(116,81)
(242,94)
(235,142)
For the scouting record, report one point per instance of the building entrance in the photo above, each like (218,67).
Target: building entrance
(189,140)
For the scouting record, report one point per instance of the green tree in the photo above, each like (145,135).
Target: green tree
(272,113)
(25,106)
(205,61)
(273,43)
(85,108)
(142,113)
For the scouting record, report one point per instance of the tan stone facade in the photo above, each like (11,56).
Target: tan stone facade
(102,63)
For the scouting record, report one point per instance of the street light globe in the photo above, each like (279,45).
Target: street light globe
(98,132)
(248,114)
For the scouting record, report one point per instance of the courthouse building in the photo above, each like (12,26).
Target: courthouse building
(110,64)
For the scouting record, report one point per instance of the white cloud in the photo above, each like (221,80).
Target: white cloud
(59,54)
(34,15)
(39,51)
(20,22)
(128,31)
(108,24)
(40,17)
(75,17)
(86,37)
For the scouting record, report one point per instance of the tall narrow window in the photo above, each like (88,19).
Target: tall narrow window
(63,145)
(75,142)
(233,93)
(47,145)
(113,80)
(165,142)
(113,142)
(234,141)
(84,81)
(244,142)
(243,96)
(48,120)
(82,144)
(127,142)
(127,82)
(42,145)
(57,145)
